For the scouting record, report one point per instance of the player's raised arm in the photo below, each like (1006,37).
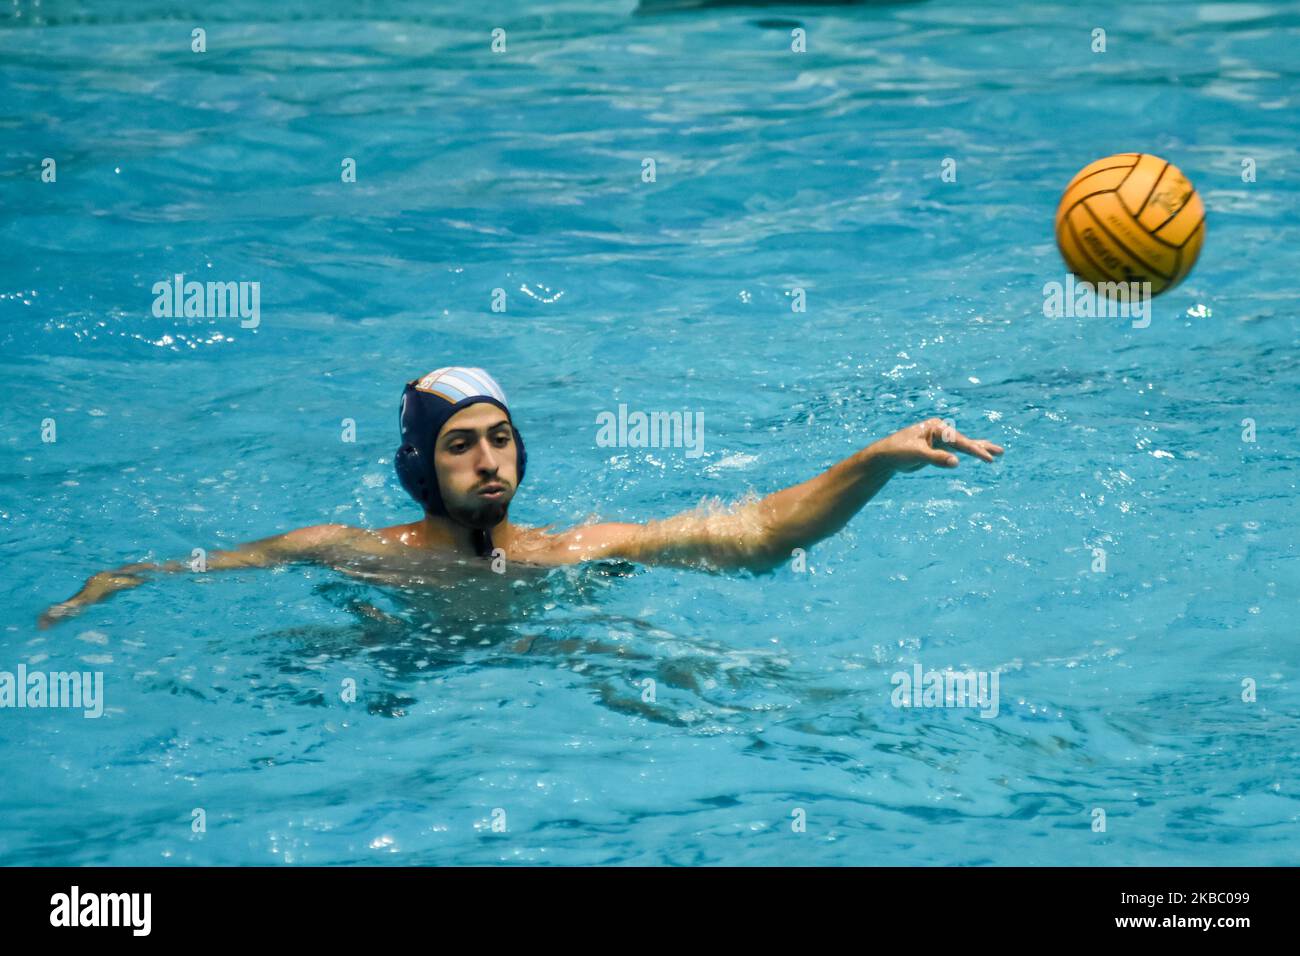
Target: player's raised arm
(760,536)
(304,544)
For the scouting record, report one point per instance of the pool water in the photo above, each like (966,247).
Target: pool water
(506,718)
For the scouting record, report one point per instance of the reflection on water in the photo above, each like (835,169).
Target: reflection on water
(411,633)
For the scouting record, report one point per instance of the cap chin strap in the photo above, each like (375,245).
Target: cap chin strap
(479,538)
(482,540)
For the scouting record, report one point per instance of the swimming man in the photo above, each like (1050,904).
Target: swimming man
(462,460)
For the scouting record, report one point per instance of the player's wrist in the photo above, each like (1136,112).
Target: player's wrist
(878,459)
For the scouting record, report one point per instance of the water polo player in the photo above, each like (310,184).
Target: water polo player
(462,459)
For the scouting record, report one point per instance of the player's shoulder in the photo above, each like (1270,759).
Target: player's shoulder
(583,543)
(395,536)
(320,535)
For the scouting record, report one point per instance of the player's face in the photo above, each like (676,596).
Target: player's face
(477,462)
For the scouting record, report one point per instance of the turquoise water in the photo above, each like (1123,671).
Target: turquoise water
(522,171)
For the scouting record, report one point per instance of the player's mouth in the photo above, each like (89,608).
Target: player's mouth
(493,492)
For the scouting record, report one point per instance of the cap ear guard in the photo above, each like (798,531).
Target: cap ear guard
(414,459)
(414,476)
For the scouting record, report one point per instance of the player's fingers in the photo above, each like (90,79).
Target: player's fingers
(987,448)
(941,458)
(981,449)
(951,438)
(976,448)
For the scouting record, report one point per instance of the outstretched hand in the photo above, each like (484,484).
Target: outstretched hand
(97,588)
(927,444)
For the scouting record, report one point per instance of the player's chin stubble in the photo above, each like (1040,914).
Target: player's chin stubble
(482,515)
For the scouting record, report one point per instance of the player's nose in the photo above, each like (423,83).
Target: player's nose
(488,460)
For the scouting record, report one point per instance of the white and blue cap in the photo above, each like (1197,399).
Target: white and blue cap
(427,404)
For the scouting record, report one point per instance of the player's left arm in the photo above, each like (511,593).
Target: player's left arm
(761,535)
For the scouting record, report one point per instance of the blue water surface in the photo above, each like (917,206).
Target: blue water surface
(503,719)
